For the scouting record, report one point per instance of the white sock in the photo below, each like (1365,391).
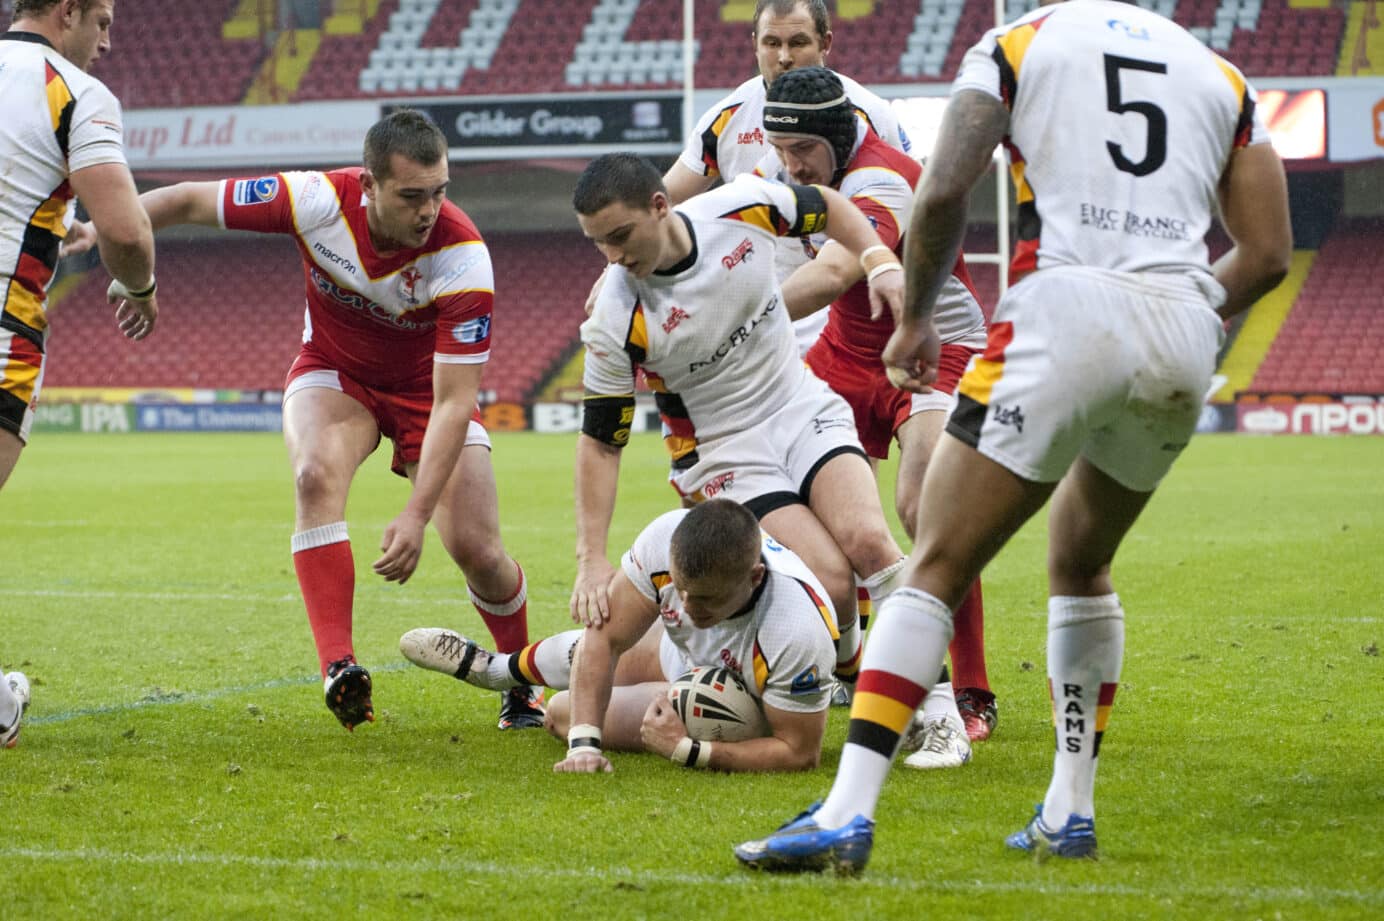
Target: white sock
(902,660)
(1085,649)
(546,662)
(940,704)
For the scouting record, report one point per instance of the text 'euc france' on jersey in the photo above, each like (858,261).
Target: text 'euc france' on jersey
(710,333)
(880,182)
(1119,170)
(729,138)
(55,120)
(783,644)
(382,320)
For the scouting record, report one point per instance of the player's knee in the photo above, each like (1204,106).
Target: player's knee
(313,482)
(1079,571)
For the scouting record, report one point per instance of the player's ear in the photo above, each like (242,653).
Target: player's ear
(367,183)
(757,572)
(826,43)
(659,203)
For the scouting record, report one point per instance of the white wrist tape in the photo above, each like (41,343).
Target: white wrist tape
(881,269)
(584,739)
(117,289)
(691,753)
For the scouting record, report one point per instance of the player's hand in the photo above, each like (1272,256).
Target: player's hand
(403,546)
(81,236)
(134,318)
(887,293)
(910,357)
(590,304)
(662,729)
(590,604)
(583,763)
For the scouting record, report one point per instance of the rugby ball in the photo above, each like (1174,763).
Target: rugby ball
(716,705)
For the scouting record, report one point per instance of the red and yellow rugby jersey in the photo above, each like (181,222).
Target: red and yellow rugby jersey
(54,120)
(382,320)
(1121,126)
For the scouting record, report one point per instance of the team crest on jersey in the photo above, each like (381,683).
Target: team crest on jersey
(675,316)
(255,191)
(473,331)
(743,251)
(408,284)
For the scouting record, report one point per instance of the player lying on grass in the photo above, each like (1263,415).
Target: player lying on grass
(726,594)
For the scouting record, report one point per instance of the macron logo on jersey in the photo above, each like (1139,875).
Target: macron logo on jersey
(255,191)
(472,331)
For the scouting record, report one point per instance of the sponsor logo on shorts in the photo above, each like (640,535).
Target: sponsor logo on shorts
(255,191)
(805,681)
(743,251)
(334,258)
(719,484)
(825,424)
(473,331)
(1008,415)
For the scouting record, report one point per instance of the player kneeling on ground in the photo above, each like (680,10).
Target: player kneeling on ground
(727,595)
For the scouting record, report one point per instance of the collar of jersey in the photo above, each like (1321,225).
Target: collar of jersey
(690,260)
(20,36)
(754,596)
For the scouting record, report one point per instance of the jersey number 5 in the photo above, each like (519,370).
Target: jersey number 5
(1157,151)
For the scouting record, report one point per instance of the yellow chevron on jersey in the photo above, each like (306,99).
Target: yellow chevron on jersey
(1009,54)
(637,339)
(661,580)
(761,669)
(711,139)
(765,217)
(59,102)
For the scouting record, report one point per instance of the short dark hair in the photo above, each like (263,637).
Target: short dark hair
(24,8)
(717,536)
(817,9)
(624,177)
(408,132)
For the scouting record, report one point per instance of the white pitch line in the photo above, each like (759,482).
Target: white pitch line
(240,597)
(620,874)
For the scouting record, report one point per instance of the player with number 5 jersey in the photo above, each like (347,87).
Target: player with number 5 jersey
(1127,136)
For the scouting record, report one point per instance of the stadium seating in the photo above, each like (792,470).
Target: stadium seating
(243,332)
(170,53)
(1333,339)
(482,47)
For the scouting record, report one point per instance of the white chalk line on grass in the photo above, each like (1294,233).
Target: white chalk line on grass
(398,868)
(171,698)
(387,598)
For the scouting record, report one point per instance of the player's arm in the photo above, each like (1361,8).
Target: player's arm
(794,742)
(183,203)
(593,674)
(605,430)
(1254,209)
(848,226)
(973,124)
(126,242)
(454,402)
(814,285)
(682,183)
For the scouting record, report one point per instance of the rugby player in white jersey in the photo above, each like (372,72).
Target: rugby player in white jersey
(817,137)
(397,330)
(728,140)
(698,587)
(60,137)
(1128,136)
(692,300)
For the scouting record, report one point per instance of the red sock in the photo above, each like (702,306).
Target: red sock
(327,579)
(507,620)
(968,642)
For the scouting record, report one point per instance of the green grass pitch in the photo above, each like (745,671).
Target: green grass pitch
(178,761)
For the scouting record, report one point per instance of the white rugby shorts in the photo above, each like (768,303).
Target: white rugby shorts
(778,456)
(1112,366)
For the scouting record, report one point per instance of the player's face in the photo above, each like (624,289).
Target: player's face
(87,36)
(629,237)
(809,160)
(403,206)
(785,42)
(712,598)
